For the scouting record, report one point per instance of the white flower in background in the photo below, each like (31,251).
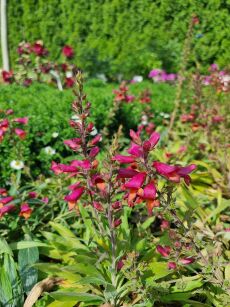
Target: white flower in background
(144,120)
(94,131)
(16,164)
(102,77)
(69,74)
(49,150)
(47,180)
(137,79)
(55,134)
(166,115)
(76,118)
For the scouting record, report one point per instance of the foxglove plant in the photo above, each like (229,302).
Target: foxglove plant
(121,180)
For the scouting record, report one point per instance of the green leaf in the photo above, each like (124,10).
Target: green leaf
(26,244)
(159,269)
(79,297)
(29,275)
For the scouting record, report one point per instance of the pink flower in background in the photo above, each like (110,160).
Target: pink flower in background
(6,209)
(20,133)
(5,200)
(69,82)
(39,49)
(21,120)
(67,51)
(171,265)
(186,260)
(32,194)
(8,76)
(164,251)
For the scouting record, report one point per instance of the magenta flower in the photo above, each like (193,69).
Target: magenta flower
(22,120)
(5,200)
(20,133)
(164,251)
(126,173)
(148,193)
(69,82)
(94,151)
(3,191)
(117,223)
(171,265)
(8,76)
(39,49)
(174,173)
(74,196)
(187,260)
(25,211)
(6,209)
(124,159)
(32,194)
(133,185)
(73,143)
(67,51)
(98,206)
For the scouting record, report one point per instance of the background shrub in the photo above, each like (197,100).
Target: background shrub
(123,36)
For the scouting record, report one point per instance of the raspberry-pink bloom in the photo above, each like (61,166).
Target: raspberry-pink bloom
(171,265)
(98,206)
(4,124)
(85,164)
(95,140)
(116,223)
(5,200)
(136,182)
(98,181)
(148,193)
(6,209)
(154,139)
(32,194)
(25,211)
(133,185)
(3,191)
(20,133)
(187,260)
(135,137)
(21,120)
(174,173)
(126,173)
(74,196)
(7,76)
(94,151)
(68,51)
(39,49)
(9,112)
(73,143)
(164,251)
(69,82)
(135,150)
(45,200)
(124,159)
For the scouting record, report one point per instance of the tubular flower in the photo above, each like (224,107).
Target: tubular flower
(133,185)
(5,200)
(22,120)
(73,197)
(149,195)
(20,133)
(25,211)
(164,251)
(6,209)
(174,173)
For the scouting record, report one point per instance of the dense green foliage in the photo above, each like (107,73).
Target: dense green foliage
(48,111)
(123,36)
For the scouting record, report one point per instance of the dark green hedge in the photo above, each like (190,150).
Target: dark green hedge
(122,36)
(50,110)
